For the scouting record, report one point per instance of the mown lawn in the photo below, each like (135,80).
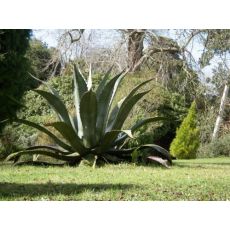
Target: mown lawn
(201,179)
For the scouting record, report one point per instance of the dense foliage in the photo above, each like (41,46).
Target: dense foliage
(35,105)
(40,57)
(13,69)
(15,136)
(158,102)
(186,142)
(216,148)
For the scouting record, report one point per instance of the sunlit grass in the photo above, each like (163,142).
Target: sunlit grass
(200,179)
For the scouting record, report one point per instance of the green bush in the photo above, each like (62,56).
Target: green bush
(35,105)
(206,121)
(160,102)
(15,137)
(218,147)
(13,70)
(40,56)
(186,142)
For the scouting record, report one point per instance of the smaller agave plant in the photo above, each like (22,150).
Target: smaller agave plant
(95,129)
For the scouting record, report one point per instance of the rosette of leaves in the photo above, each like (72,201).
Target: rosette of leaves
(94,131)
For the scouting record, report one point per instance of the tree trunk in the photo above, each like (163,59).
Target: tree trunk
(135,48)
(221,112)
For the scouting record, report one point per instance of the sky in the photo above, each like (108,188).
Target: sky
(47,36)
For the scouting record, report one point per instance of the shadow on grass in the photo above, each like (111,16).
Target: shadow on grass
(17,190)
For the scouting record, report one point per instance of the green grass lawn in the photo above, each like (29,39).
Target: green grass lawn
(200,179)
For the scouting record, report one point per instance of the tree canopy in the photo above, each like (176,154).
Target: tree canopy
(13,69)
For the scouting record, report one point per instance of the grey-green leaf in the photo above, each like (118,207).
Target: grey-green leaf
(88,113)
(69,134)
(46,131)
(50,88)
(135,127)
(80,87)
(47,147)
(124,111)
(163,153)
(109,137)
(41,152)
(105,101)
(89,82)
(103,82)
(57,104)
(124,103)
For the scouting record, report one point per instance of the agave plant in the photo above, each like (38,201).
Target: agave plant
(95,129)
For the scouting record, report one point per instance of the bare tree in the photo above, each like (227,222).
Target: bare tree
(135,47)
(219,118)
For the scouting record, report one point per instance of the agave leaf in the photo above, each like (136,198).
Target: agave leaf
(112,158)
(103,82)
(159,160)
(4,121)
(50,88)
(79,83)
(69,134)
(89,82)
(14,100)
(113,114)
(109,137)
(74,154)
(47,147)
(40,152)
(146,121)
(88,112)
(125,101)
(138,124)
(121,152)
(161,152)
(74,121)
(105,101)
(56,103)
(136,88)
(46,131)
(162,156)
(80,87)
(124,111)
(158,151)
(55,93)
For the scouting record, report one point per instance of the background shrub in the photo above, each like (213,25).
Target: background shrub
(218,147)
(35,105)
(206,121)
(15,137)
(13,70)
(40,56)
(158,102)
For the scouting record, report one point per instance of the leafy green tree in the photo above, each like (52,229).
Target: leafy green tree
(186,142)
(40,57)
(13,69)
(217,45)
